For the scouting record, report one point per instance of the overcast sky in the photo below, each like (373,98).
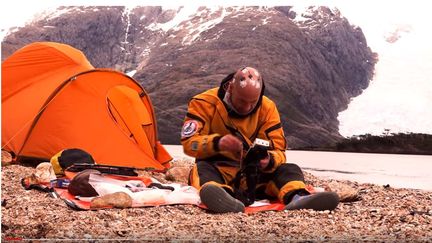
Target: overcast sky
(385,12)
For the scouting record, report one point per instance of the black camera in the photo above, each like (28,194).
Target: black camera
(256,152)
(249,169)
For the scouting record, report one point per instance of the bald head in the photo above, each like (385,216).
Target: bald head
(245,90)
(248,78)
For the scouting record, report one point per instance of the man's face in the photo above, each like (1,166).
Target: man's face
(244,99)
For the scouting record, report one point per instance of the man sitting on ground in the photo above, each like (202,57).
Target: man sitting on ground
(220,125)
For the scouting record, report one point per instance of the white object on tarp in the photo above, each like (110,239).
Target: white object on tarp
(260,203)
(44,172)
(142,195)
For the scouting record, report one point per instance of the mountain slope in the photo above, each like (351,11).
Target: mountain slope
(313,63)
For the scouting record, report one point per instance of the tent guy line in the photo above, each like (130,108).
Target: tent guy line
(31,119)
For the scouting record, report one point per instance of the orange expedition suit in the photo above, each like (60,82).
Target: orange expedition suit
(209,118)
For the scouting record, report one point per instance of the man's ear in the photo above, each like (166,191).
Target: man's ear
(228,87)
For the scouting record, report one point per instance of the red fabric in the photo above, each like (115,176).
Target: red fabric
(274,206)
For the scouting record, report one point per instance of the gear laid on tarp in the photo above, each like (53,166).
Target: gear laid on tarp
(92,190)
(116,191)
(80,186)
(73,176)
(91,186)
(69,157)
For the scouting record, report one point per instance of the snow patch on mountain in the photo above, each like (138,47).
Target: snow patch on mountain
(208,18)
(126,15)
(183,14)
(192,21)
(313,16)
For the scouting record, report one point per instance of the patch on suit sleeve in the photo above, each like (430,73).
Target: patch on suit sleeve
(189,128)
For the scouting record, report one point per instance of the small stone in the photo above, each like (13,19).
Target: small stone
(6,158)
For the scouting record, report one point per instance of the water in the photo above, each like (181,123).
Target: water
(399,171)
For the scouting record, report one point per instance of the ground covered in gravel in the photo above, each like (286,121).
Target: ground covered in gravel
(381,213)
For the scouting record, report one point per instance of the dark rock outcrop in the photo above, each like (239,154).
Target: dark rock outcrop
(312,67)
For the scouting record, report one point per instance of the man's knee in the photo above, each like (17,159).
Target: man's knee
(291,169)
(287,172)
(204,172)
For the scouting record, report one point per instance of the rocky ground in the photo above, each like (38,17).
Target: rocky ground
(379,213)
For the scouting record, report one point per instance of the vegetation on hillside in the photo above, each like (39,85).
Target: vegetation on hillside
(394,143)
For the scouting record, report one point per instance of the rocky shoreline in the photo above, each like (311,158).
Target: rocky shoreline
(376,213)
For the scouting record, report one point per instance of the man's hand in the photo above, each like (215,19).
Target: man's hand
(231,143)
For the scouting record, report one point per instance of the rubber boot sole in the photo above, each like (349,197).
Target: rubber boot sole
(320,201)
(219,201)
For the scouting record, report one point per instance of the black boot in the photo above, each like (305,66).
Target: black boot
(218,200)
(318,201)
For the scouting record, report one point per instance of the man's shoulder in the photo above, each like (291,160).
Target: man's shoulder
(267,103)
(209,95)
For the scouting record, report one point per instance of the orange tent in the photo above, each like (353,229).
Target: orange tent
(54,99)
